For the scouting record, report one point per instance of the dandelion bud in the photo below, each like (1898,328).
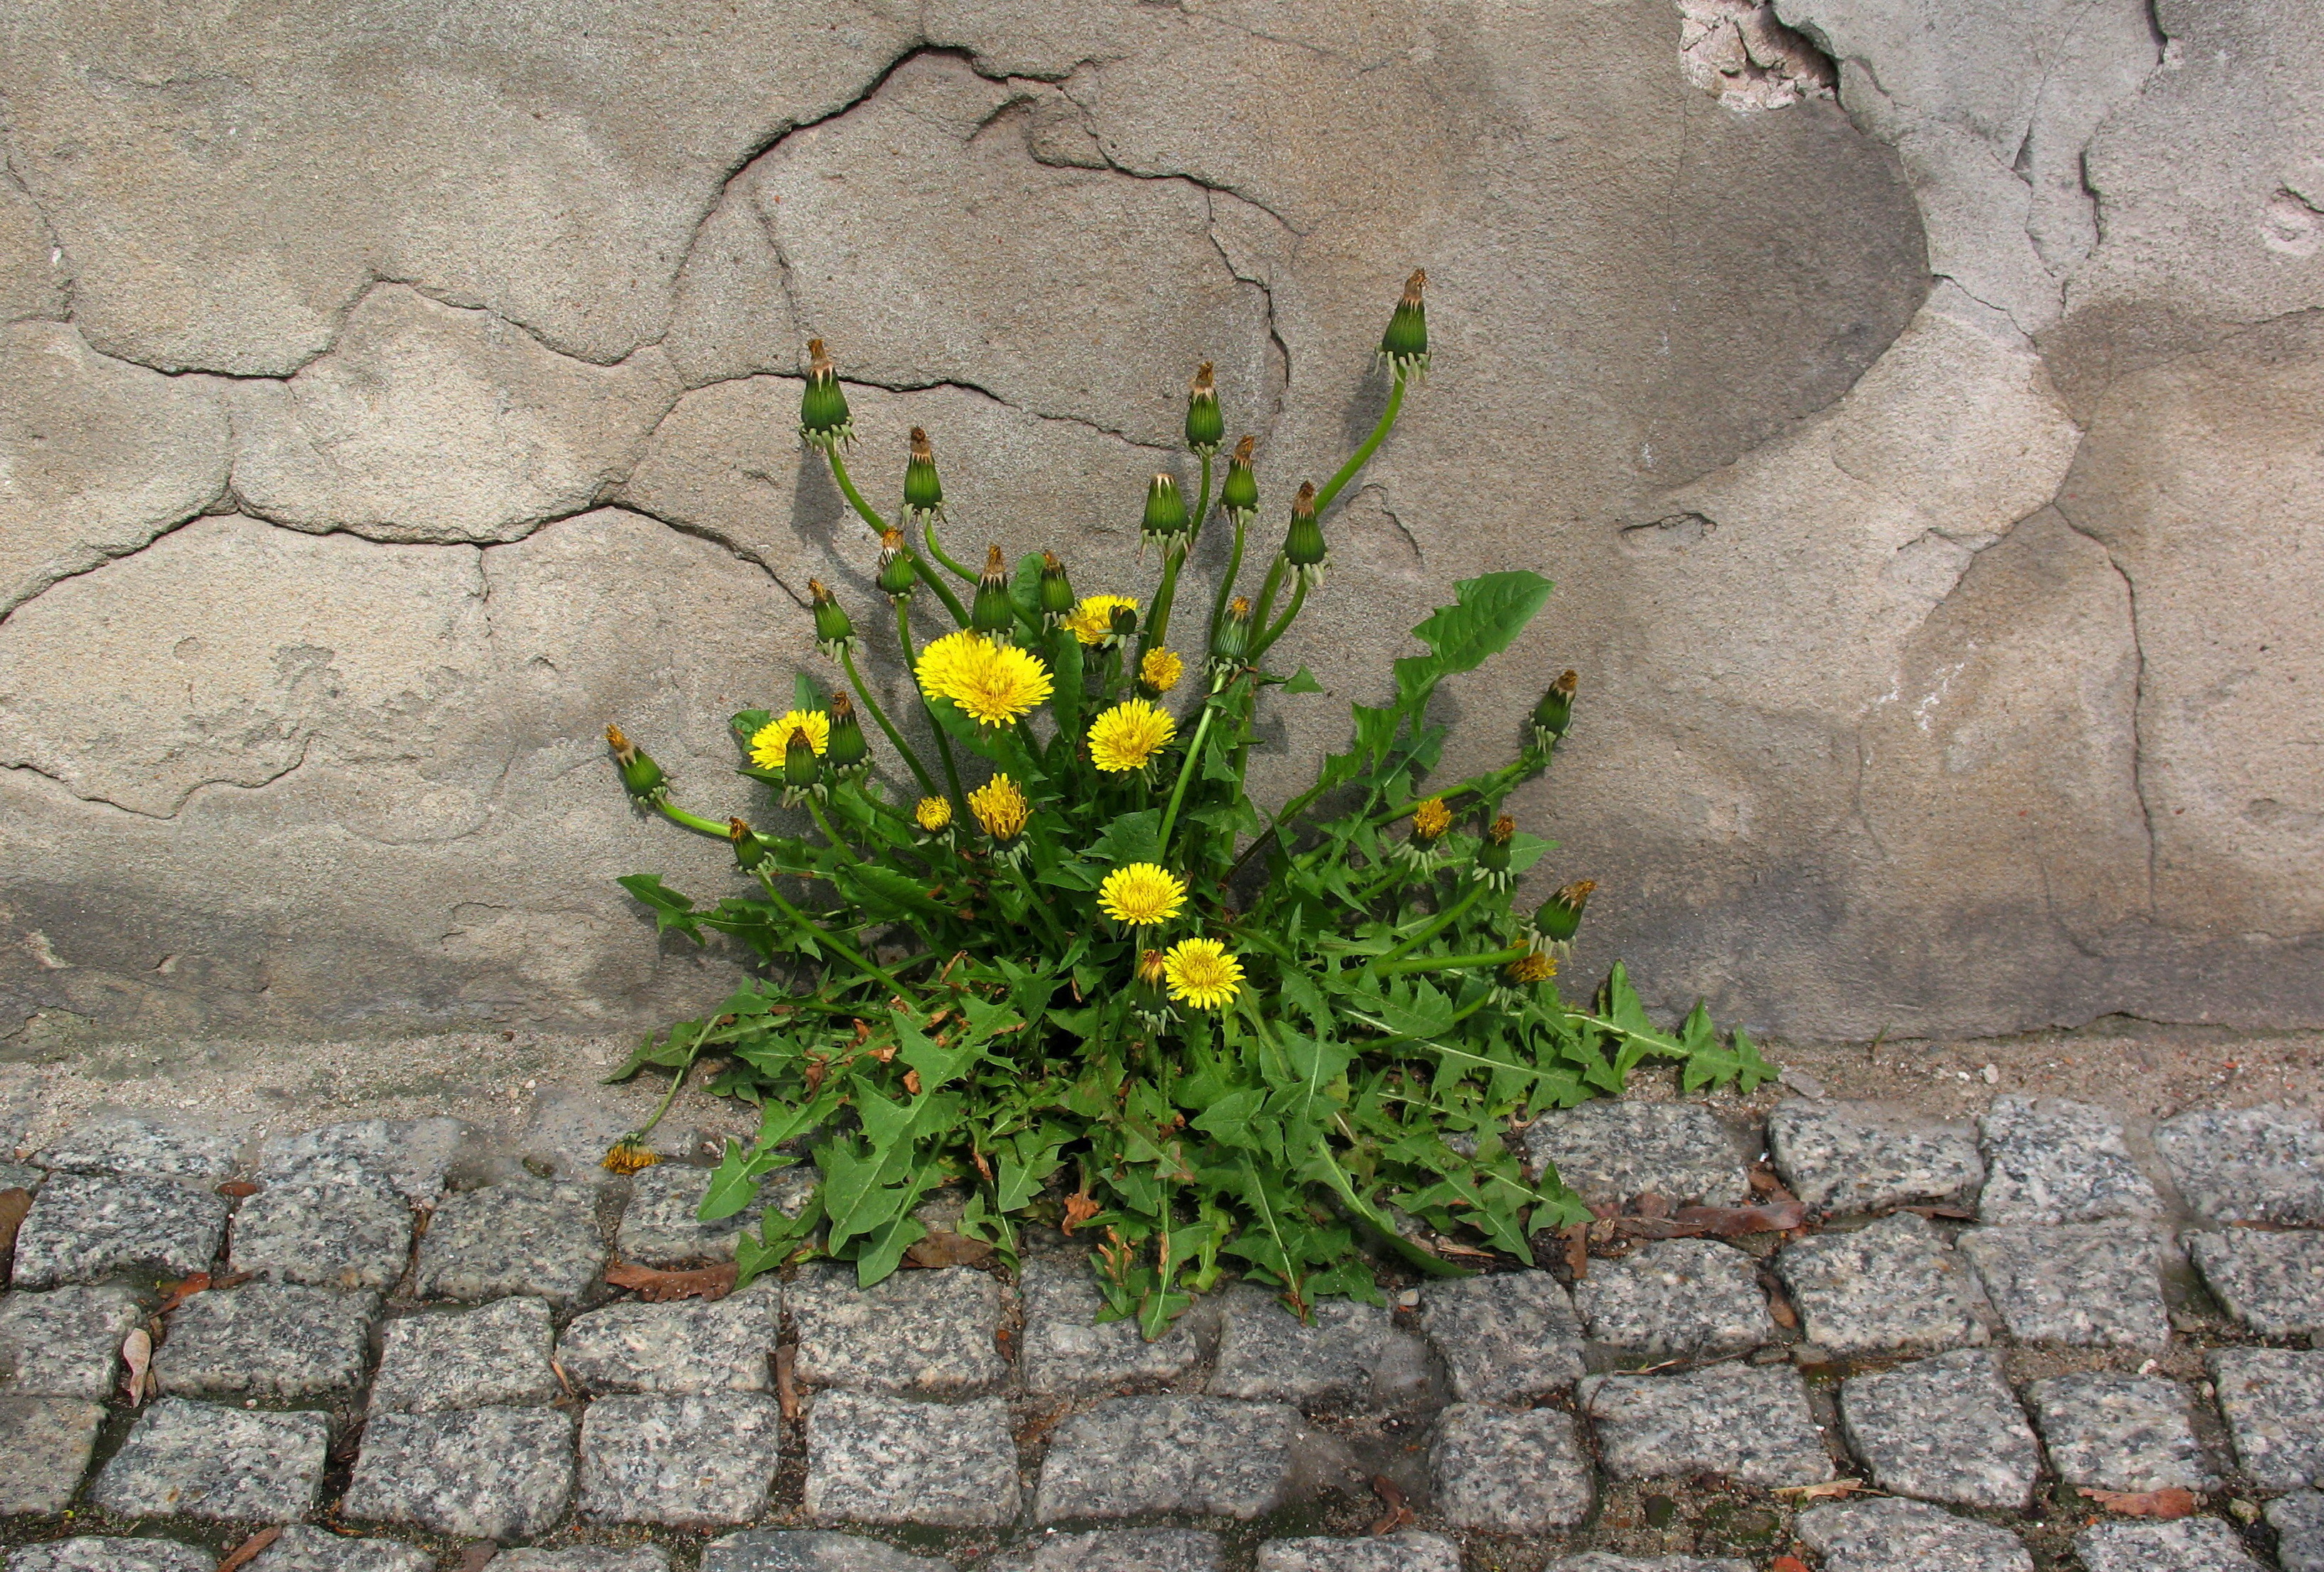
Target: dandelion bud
(1057,599)
(835,630)
(1232,640)
(824,418)
(992,615)
(1424,851)
(897,574)
(641,777)
(932,819)
(1405,345)
(923,491)
(1555,713)
(1493,853)
(1303,549)
(1560,916)
(1238,492)
(1159,672)
(1122,623)
(749,850)
(802,771)
(847,751)
(1533,968)
(1166,522)
(1149,1000)
(1205,427)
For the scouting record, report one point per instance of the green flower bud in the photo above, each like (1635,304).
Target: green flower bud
(641,777)
(1302,547)
(1123,623)
(845,751)
(898,575)
(1206,427)
(835,630)
(923,491)
(1166,522)
(1555,713)
(1405,345)
(1238,492)
(749,850)
(802,771)
(1056,594)
(1494,852)
(992,613)
(1231,643)
(1560,916)
(823,419)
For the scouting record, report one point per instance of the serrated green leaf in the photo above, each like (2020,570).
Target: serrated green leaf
(1303,681)
(1487,615)
(670,909)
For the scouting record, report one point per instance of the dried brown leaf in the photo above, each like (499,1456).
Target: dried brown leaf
(476,1557)
(1730,1222)
(242,1554)
(1826,1490)
(912,1082)
(1787,1564)
(941,1248)
(14,1204)
(1577,1250)
(706,1283)
(137,1357)
(2170,1503)
(1079,1208)
(237,1190)
(182,1290)
(786,1383)
(1779,1306)
(1399,1510)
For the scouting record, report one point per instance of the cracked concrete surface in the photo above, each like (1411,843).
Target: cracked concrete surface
(1928,470)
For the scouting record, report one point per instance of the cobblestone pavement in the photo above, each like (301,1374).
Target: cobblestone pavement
(411,1350)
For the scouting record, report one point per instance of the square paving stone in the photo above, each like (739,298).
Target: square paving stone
(934,1333)
(724,1346)
(1868,1157)
(2119,1432)
(84,1226)
(530,1237)
(2087,1286)
(206,1460)
(1745,1422)
(2247,1165)
(1946,1429)
(2272,1283)
(274,1342)
(2298,1519)
(92,1553)
(1115,1550)
(478,1474)
(2194,1544)
(661,1226)
(876,1459)
(696,1461)
(493,1356)
(302,1548)
(410,1156)
(142,1149)
(1894,1286)
(809,1550)
(1203,1456)
(1504,1472)
(586,1559)
(1676,1299)
(1613,1151)
(1907,1536)
(1509,1338)
(2273,1401)
(49,1441)
(325,1234)
(1599,1561)
(67,1342)
(1267,1352)
(1065,1350)
(1409,1550)
(2050,1161)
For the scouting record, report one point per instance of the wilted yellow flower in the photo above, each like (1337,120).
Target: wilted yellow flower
(1141,894)
(1127,735)
(932,813)
(1430,819)
(628,1155)
(1092,620)
(1161,670)
(768,742)
(1153,966)
(993,685)
(999,806)
(1201,973)
(1534,966)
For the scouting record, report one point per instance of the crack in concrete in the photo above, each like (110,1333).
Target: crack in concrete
(306,747)
(2137,700)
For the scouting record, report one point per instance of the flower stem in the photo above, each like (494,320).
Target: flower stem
(1443,920)
(1290,614)
(1356,460)
(944,744)
(937,550)
(1226,583)
(1186,772)
(685,821)
(1448,963)
(855,498)
(823,824)
(1266,590)
(1158,618)
(862,693)
(830,940)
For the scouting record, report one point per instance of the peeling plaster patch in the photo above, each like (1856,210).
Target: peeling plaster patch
(1742,51)
(2292,225)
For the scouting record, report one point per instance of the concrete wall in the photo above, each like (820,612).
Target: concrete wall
(1921,412)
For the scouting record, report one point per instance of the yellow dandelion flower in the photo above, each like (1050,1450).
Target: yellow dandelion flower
(999,806)
(768,742)
(1534,966)
(993,684)
(1092,620)
(628,1155)
(1161,670)
(1201,973)
(942,664)
(1141,894)
(1432,819)
(932,813)
(1127,735)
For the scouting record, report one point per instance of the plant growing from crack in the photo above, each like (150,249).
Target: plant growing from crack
(1078,975)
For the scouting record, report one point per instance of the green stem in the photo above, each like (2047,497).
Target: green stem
(1033,899)
(1290,614)
(1449,962)
(855,498)
(1443,920)
(1186,773)
(670,1096)
(1482,784)
(1227,583)
(864,696)
(1202,506)
(928,576)
(944,746)
(693,821)
(1266,591)
(1372,444)
(830,940)
(937,550)
(1158,618)
(830,834)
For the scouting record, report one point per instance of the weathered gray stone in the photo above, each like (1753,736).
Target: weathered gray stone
(589,1558)
(724,1346)
(2298,1519)
(84,1226)
(2195,1544)
(2049,1160)
(2273,1402)
(91,1553)
(570,1132)
(65,1343)
(347,1236)
(1599,1561)
(1509,1473)
(1612,1152)
(138,1148)
(496,1355)
(929,1332)
(1407,1551)
(1202,1455)
(1867,1157)
(1892,1285)
(278,1343)
(696,1461)
(2118,1432)
(1746,1423)
(412,1155)
(480,1474)
(809,1550)
(1342,1355)
(2272,1283)
(1115,1550)
(2095,1285)
(300,1548)
(661,1227)
(208,1460)
(1063,1347)
(1504,1337)
(1907,1536)
(876,1459)
(2264,1164)
(512,1237)
(1676,1298)
(50,1440)
(21,1176)
(1946,1429)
